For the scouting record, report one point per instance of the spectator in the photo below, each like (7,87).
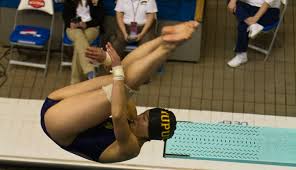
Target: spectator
(252,16)
(83,20)
(135,19)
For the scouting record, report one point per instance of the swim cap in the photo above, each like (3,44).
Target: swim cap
(162,124)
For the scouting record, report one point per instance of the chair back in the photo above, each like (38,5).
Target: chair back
(46,6)
(282,14)
(284,9)
(27,10)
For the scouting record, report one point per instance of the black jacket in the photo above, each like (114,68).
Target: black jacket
(96,13)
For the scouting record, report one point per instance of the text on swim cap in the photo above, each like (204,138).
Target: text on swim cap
(165,123)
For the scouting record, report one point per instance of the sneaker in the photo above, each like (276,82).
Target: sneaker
(160,70)
(91,75)
(148,81)
(239,59)
(254,30)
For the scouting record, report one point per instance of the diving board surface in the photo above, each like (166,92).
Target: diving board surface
(235,143)
(24,143)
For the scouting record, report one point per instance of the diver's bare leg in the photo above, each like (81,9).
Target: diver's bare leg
(140,70)
(98,82)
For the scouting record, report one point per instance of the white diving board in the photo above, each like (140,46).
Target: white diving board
(22,140)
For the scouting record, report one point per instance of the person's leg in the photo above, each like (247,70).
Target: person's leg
(242,37)
(76,72)
(136,76)
(75,69)
(243,11)
(80,44)
(79,112)
(80,88)
(98,82)
(271,16)
(241,45)
(172,36)
(91,34)
(73,115)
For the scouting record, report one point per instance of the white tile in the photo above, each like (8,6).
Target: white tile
(6,109)
(194,115)
(237,117)
(23,102)
(181,114)
(216,117)
(281,122)
(7,100)
(249,118)
(176,163)
(284,122)
(226,116)
(4,100)
(220,117)
(290,122)
(200,116)
(260,121)
(270,121)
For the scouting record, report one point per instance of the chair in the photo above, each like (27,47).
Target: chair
(31,36)
(131,46)
(68,43)
(273,27)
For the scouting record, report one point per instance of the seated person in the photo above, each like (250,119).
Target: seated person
(83,20)
(77,117)
(252,16)
(135,20)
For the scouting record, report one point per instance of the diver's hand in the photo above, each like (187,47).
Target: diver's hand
(113,54)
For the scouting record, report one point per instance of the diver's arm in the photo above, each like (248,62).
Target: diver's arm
(118,104)
(119,116)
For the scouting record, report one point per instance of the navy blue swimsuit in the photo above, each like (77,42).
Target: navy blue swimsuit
(90,143)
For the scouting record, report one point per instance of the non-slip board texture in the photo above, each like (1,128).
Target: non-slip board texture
(234,143)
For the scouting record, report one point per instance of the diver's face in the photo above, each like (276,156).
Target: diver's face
(142,124)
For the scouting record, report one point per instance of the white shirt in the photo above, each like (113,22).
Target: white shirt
(129,8)
(83,11)
(258,3)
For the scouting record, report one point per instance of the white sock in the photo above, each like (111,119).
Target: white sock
(242,54)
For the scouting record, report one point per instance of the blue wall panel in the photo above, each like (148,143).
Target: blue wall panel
(178,10)
(109,6)
(9,3)
(14,4)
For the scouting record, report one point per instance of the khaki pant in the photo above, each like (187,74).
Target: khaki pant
(80,64)
(120,43)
